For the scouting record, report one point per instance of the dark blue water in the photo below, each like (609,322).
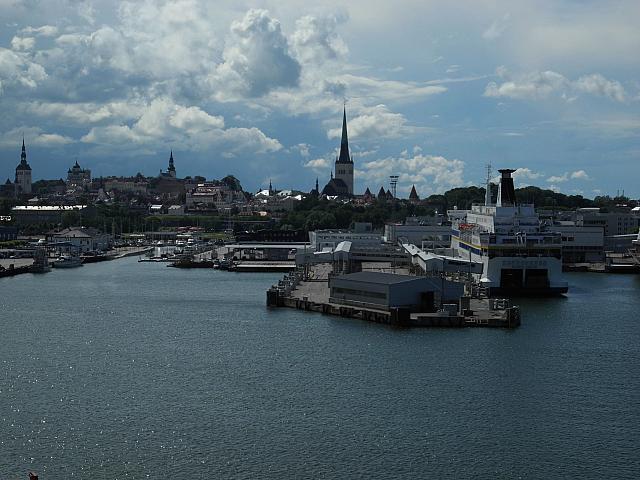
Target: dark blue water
(127,370)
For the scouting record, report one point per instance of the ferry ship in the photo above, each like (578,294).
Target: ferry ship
(518,256)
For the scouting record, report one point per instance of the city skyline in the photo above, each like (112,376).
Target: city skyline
(433,92)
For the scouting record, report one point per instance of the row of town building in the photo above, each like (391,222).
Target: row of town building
(586,234)
(194,193)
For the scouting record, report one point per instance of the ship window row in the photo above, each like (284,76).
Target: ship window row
(525,253)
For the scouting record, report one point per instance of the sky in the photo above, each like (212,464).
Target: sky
(434,90)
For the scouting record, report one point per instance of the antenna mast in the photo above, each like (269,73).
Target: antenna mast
(487,194)
(394,183)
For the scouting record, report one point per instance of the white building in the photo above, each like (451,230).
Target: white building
(329,239)
(613,223)
(425,236)
(214,194)
(33,214)
(581,244)
(80,240)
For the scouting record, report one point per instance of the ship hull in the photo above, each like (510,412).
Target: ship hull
(528,292)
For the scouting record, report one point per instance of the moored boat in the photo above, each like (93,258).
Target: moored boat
(67,261)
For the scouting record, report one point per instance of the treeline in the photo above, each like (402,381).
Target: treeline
(313,213)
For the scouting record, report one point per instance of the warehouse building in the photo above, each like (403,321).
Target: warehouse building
(385,291)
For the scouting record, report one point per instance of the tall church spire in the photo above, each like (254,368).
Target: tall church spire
(344,142)
(23,155)
(172,167)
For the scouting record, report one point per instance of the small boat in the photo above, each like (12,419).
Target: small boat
(225,264)
(67,261)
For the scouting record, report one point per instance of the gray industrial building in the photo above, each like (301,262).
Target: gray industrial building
(384,291)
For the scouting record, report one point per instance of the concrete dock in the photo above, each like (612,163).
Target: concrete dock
(312,294)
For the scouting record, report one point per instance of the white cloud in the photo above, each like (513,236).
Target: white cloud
(579,175)
(533,86)
(526,174)
(256,58)
(16,69)
(43,31)
(34,136)
(429,173)
(84,113)
(387,90)
(318,165)
(165,122)
(596,84)
(315,39)
(169,38)
(540,85)
(374,122)
(302,149)
(558,178)
(22,43)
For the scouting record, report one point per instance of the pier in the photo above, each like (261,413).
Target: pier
(312,294)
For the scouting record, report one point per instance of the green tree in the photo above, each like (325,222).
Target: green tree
(318,220)
(232,182)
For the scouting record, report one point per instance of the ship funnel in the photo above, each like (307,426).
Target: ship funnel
(506,190)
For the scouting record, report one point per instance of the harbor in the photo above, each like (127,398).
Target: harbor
(194,349)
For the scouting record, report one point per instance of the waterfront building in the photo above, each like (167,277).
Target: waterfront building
(613,223)
(619,243)
(429,236)
(267,235)
(48,214)
(383,291)
(79,240)
(23,174)
(518,255)
(78,177)
(581,244)
(329,239)
(341,184)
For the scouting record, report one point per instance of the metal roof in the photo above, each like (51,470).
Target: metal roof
(380,278)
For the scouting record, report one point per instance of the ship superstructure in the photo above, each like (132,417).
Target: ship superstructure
(519,257)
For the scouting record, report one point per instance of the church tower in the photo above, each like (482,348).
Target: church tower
(344,162)
(172,169)
(23,173)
